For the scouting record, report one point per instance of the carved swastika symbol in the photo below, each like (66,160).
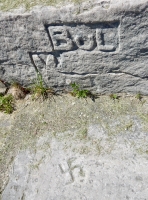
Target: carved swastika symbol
(68,169)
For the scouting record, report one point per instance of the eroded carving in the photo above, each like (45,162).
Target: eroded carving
(85,43)
(68,170)
(44,61)
(97,37)
(104,36)
(60,38)
(101,36)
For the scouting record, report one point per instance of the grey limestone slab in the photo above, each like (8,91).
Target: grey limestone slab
(102,45)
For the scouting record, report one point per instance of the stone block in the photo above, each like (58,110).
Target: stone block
(101,45)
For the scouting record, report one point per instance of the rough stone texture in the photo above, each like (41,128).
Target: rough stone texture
(102,45)
(62,173)
(3,88)
(70,148)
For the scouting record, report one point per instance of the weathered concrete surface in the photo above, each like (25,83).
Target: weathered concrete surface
(101,44)
(73,149)
(61,173)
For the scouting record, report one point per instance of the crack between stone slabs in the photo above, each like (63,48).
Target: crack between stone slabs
(120,73)
(95,74)
(79,74)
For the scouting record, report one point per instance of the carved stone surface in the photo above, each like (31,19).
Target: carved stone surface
(67,148)
(102,45)
(60,173)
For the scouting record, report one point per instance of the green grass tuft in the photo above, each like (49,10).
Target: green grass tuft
(7,104)
(114,96)
(77,92)
(138,96)
(39,90)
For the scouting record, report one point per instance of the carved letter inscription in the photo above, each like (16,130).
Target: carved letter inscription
(60,38)
(98,38)
(107,39)
(85,43)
